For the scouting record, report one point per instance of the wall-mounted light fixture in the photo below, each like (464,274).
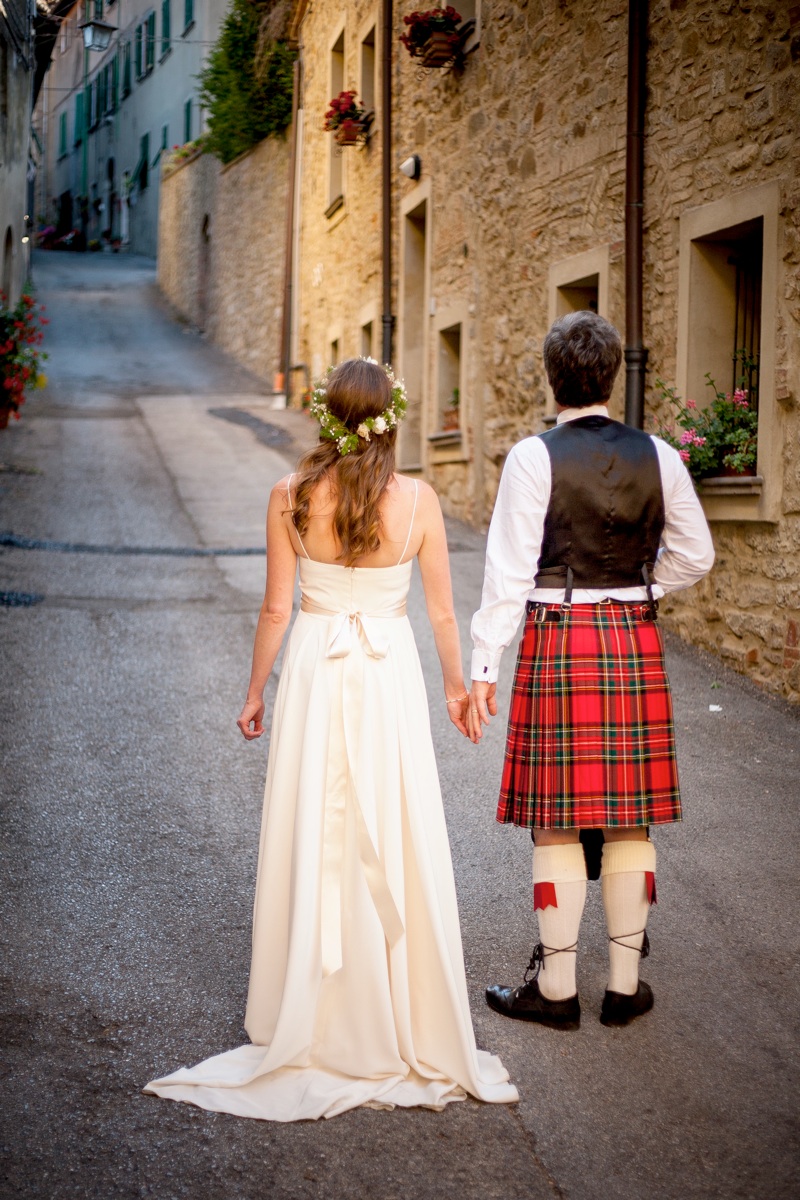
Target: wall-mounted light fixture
(412,167)
(97,34)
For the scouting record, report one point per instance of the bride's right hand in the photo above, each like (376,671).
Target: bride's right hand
(252,713)
(458,715)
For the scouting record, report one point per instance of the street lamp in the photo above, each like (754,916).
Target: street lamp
(96,36)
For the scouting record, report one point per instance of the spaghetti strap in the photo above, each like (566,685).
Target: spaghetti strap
(291,506)
(411,526)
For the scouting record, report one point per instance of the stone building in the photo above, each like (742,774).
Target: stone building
(516,214)
(16,76)
(105,117)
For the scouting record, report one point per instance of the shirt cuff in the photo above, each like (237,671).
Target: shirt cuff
(485,665)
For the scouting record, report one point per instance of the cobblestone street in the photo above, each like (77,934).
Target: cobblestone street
(131,809)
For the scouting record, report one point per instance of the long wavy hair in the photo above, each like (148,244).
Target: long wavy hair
(356,390)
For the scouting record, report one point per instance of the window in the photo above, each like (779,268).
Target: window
(126,69)
(578,283)
(471,11)
(368,89)
(62,135)
(64,42)
(413,310)
(335,158)
(165,27)
(100,88)
(447,417)
(139,42)
(79,118)
(187,120)
(334,356)
(188,14)
(164,137)
(114,86)
(150,43)
(727,294)
(366,340)
(448,376)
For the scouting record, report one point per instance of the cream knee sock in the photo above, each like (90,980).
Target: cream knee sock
(564,869)
(627,906)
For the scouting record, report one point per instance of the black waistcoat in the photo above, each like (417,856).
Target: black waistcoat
(606,510)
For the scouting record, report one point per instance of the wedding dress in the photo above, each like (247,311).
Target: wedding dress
(357,988)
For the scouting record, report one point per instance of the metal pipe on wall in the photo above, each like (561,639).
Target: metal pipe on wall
(635,351)
(387,320)
(288,299)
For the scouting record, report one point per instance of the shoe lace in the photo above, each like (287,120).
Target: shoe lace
(645,947)
(540,954)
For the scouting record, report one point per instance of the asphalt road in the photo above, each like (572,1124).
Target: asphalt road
(130,818)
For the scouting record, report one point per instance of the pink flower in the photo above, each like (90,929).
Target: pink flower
(687,437)
(685,455)
(691,404)
(698,441)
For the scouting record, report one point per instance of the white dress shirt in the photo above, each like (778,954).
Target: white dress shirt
(515,542)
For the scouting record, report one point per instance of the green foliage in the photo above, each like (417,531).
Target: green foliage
(724,434)
(246,86)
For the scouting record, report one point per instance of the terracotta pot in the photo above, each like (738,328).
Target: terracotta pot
(732,473)
(438,50)
(450,420)
(348,137)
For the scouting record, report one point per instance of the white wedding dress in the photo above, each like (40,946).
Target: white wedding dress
(357,988)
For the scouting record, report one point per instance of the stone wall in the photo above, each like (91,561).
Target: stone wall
(522,187)
(222,250)
(723,118)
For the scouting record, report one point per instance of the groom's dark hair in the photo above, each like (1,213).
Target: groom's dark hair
(582,355)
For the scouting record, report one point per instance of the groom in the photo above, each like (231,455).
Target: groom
(593,522)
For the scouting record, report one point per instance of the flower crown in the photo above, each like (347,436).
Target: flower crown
(347,440)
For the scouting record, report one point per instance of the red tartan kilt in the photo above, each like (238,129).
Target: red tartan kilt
(590,736)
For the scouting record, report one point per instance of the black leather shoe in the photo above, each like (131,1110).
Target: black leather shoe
(526,1003)
(619,1009)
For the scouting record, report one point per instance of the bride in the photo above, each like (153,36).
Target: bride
(357,988)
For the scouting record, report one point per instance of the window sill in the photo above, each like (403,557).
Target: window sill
(445,437)
(165,55)
(334,207)
(188,28)
(732,485)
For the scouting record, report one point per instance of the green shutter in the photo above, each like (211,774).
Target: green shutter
(187,121)
(165,26)
(139,53)
(115,82)
(150,48)
(126,70)
(62,135)
(79,111)
(144,155)
(164,137)
(188,13)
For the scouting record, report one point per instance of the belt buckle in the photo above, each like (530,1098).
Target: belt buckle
(540,614)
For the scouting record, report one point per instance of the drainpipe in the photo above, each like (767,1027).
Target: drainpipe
(635,352)
(288,298)
(387,321)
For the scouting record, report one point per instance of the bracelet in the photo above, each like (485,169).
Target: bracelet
(457,699)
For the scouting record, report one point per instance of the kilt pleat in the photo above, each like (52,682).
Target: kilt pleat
(590,738)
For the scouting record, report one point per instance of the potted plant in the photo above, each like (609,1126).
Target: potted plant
(720,439)
(450,415)
(20,335)
(347,119)
(434,36)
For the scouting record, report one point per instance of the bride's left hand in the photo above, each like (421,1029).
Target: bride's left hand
(458,715)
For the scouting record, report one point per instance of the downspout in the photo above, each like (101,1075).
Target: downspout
(387,321)
(288,297)
(635,352)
